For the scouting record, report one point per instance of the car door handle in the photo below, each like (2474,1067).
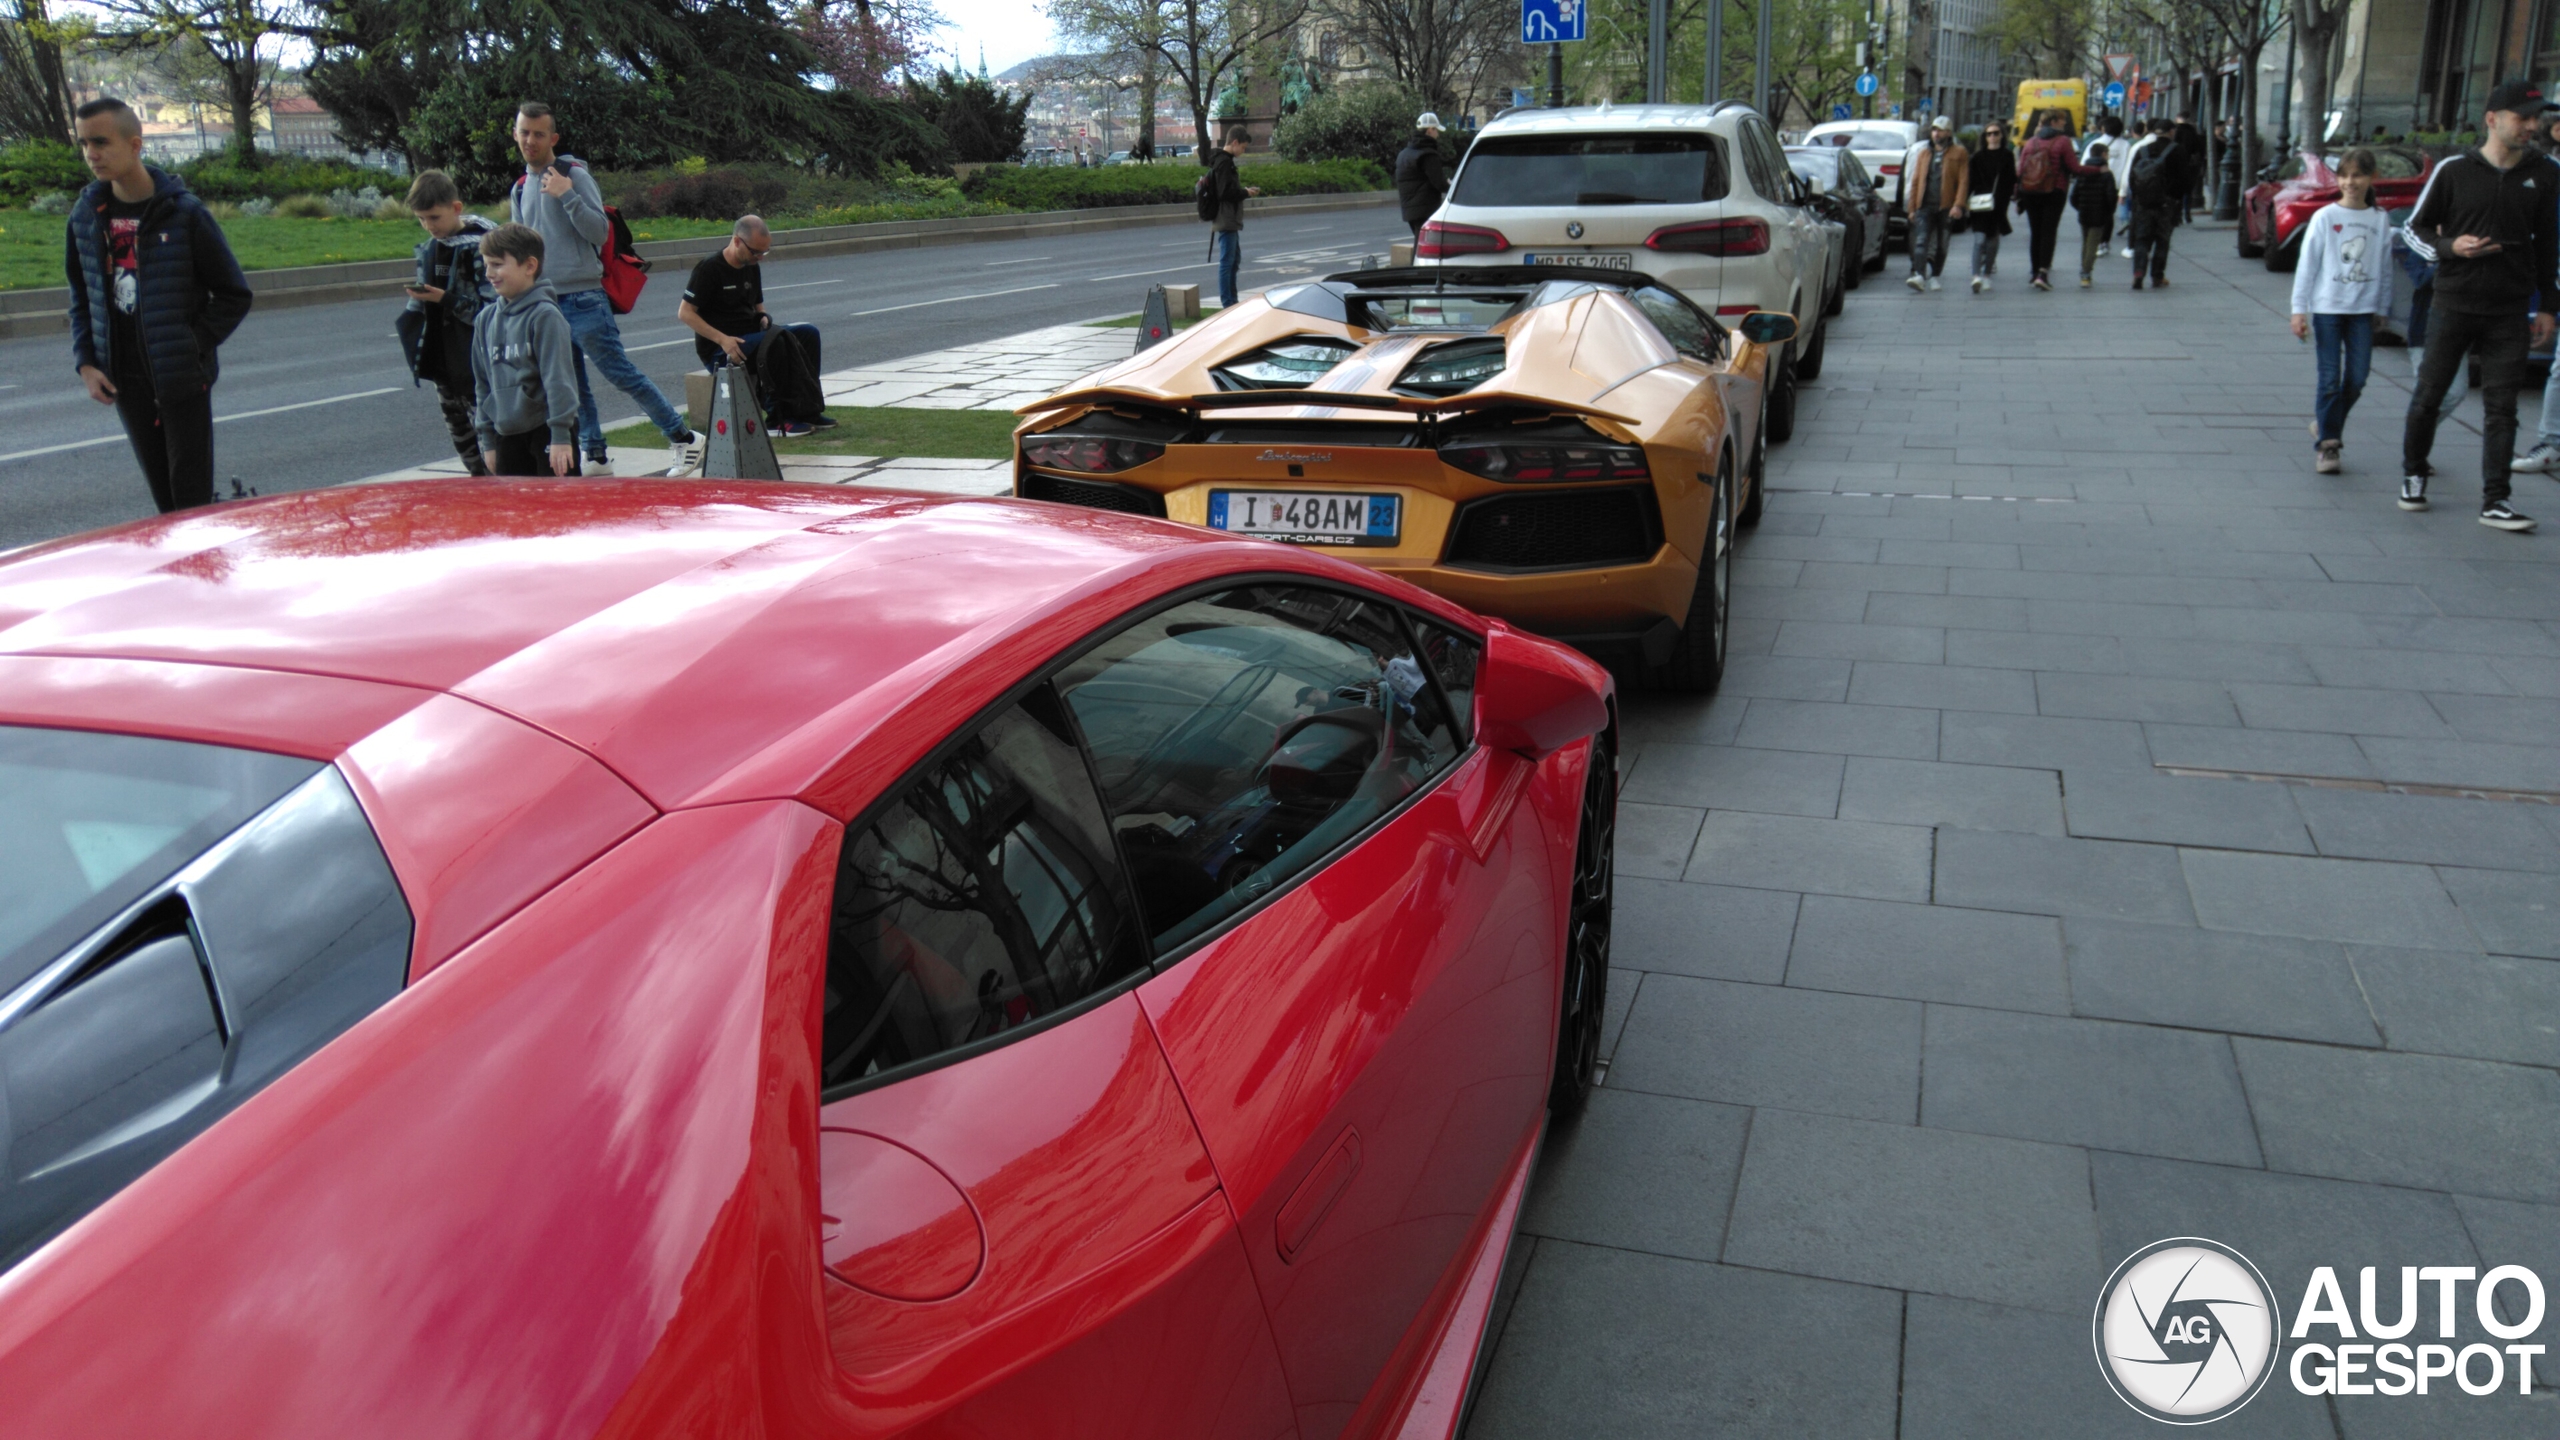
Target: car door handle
(1315,1196)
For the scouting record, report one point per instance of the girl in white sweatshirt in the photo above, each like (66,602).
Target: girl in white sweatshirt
(2344,281)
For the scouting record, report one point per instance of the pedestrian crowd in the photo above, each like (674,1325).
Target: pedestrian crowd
(2143,186)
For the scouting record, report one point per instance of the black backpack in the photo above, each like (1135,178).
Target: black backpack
(1204,195)
(2153,179)
(785,380)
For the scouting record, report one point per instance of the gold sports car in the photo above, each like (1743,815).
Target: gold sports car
(1568,449)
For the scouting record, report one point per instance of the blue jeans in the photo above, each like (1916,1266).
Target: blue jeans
(1230,251)
(600,340)
(750,343)
(1928,242)
(2343,345)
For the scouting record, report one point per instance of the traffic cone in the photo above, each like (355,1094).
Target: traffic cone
(739,448)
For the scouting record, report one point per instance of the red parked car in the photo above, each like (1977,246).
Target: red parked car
(2273,210)
(578,959)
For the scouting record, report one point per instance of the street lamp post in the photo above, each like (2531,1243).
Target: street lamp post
(1715,51)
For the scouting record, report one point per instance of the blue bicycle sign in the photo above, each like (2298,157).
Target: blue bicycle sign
(1544,22)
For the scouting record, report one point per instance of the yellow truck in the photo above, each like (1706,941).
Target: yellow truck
(2035,95)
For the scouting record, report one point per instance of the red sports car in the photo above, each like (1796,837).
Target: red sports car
(2272,211)
(577,959)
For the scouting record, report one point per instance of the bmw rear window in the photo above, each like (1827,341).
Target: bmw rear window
(1564,170)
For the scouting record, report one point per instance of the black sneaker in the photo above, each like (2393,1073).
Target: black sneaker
(2500,515)
(2137,282)
(2413,492)
(822,422)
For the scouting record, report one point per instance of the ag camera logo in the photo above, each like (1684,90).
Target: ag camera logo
(2186,1330)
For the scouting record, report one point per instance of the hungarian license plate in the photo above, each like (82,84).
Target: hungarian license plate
(1307,517)
(1582,259)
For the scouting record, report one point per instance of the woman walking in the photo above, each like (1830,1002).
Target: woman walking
(2045,167)
(1992,179)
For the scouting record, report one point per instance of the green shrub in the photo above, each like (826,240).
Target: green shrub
(304,207)
(1354,122)
(36,167)
(725,192)
(217,177)
(52,202)
(1059,187)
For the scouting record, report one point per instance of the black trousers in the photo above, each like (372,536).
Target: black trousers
(528,456)
(172,439)
(449,366)
(2044,222)
(2501,340)
(2150,239)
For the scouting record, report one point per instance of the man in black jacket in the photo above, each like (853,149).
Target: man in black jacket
(1422,179)
(154,292)
(1227,191)
(2488,223)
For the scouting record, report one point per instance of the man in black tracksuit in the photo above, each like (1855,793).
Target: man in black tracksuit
(2490,223)
(1422,180)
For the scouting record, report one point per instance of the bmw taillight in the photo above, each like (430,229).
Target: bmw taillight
(1518,463)
(1087,454)
(1746,236)
(1439,240)
(1888,169)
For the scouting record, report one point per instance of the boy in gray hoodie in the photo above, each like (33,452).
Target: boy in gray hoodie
(524,364)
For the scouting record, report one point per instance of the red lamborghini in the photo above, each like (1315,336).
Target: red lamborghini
(710,959)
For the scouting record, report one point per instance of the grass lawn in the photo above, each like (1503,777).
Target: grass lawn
(883,431)
(1130,322)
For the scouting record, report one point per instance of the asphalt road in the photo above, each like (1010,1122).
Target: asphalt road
(320,396)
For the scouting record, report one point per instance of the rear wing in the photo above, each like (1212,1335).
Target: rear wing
(1415,405)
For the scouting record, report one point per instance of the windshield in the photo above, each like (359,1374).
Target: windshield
(1859,140)
(1429,311)
(1562,170)
(89,822)
(1819,169)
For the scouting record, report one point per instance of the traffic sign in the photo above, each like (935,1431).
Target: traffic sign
(2117,65)
(2115,93)
(2142,92)
(1840,110)
(1868,84)
(1546,21)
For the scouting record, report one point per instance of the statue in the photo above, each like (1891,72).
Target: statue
(1230,104)
(1295,91)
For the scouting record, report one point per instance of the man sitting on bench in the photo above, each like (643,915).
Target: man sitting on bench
(724,308)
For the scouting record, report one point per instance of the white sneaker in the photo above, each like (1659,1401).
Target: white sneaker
(1917,284)
(596,465)
(1980,284)
(1934,285)
(2126,252)
(684,457)
(2502,516)
(2538,460)
(2413,492)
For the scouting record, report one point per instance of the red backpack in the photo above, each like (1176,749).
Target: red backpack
(2039,168)
(626,270)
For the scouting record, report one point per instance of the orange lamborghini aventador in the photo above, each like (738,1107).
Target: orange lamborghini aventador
(1568,449)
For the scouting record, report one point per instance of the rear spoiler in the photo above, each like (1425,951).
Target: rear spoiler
(1335,399)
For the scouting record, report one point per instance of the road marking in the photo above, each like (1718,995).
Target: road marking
(805,284)
(218,420)
(1133,274)
(956,299)
(1025,260)
(658,345)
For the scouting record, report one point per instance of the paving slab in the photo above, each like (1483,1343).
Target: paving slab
(2044,876)
(2116,804)
(2512,913)
(2366,902)
(1963,797)
(2431,830)
(2485,1007)
(1728,777)
(1643,1172)
(1929,952)
(2215,980)
(1772,1045)
(1828,857)
(1713,932)
(2397,1119)
(2141,1089)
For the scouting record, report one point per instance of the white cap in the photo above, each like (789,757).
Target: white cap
(1427,120)
(1941,122)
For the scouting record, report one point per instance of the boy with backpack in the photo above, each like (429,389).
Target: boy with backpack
(2341,284)
(2093,199)
(445,298)
(524,363)
(2155,186)
(1220,195)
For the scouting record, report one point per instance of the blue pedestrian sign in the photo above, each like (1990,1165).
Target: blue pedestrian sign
(2115,93)
(1545,21)
(1840,110)
(1868,84)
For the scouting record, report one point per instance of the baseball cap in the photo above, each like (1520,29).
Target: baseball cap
(2521,96)
(1427,120)
(1941,122)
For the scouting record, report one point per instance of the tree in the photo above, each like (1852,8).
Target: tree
(374,62)
(1813,51)
(35,100)
(868,46)
(2241,30)
(235,42)
(1352,122)
(1202,42)
(2316,24)
(2052,35)
(981,122)
(1429,46)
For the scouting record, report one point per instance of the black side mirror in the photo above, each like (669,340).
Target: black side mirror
(1768,327)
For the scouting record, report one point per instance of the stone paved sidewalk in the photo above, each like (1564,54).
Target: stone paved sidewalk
(1949,970)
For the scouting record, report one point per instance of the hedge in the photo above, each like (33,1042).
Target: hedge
(218,177)
(39,167)
(1060,187)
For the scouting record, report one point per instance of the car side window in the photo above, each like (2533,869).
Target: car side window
(1241,736)
(982,897)
(1453,658)
(1853,172)
(1683,326)
(1768,172)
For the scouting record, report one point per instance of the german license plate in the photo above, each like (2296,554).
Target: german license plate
(1582,259)
(1307,517)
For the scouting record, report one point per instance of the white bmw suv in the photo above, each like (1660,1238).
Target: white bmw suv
(1698,196)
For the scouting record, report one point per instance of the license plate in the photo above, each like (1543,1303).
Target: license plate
(1307,517)
(1583,259)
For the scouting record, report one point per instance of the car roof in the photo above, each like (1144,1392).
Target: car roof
(683,633)
(1615,119)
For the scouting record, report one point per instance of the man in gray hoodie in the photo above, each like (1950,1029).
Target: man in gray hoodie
(557,197)
(524,366)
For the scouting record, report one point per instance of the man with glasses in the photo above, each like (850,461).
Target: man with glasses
(724,308)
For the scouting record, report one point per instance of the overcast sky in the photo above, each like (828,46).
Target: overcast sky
(1012,30)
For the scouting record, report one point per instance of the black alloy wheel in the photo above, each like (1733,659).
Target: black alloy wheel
(1810,367)
(1853,255)
(1586,957)
(1758,470)
(1780,387)
(1696,665)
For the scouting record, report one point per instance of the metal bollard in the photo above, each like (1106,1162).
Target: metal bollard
(1156,324)
(739,448)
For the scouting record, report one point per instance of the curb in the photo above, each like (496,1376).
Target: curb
(44,312)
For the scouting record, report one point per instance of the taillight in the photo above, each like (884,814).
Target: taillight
(1712,237)
(1888,169)
(1439,240)
(1525,464)
(1089,454)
